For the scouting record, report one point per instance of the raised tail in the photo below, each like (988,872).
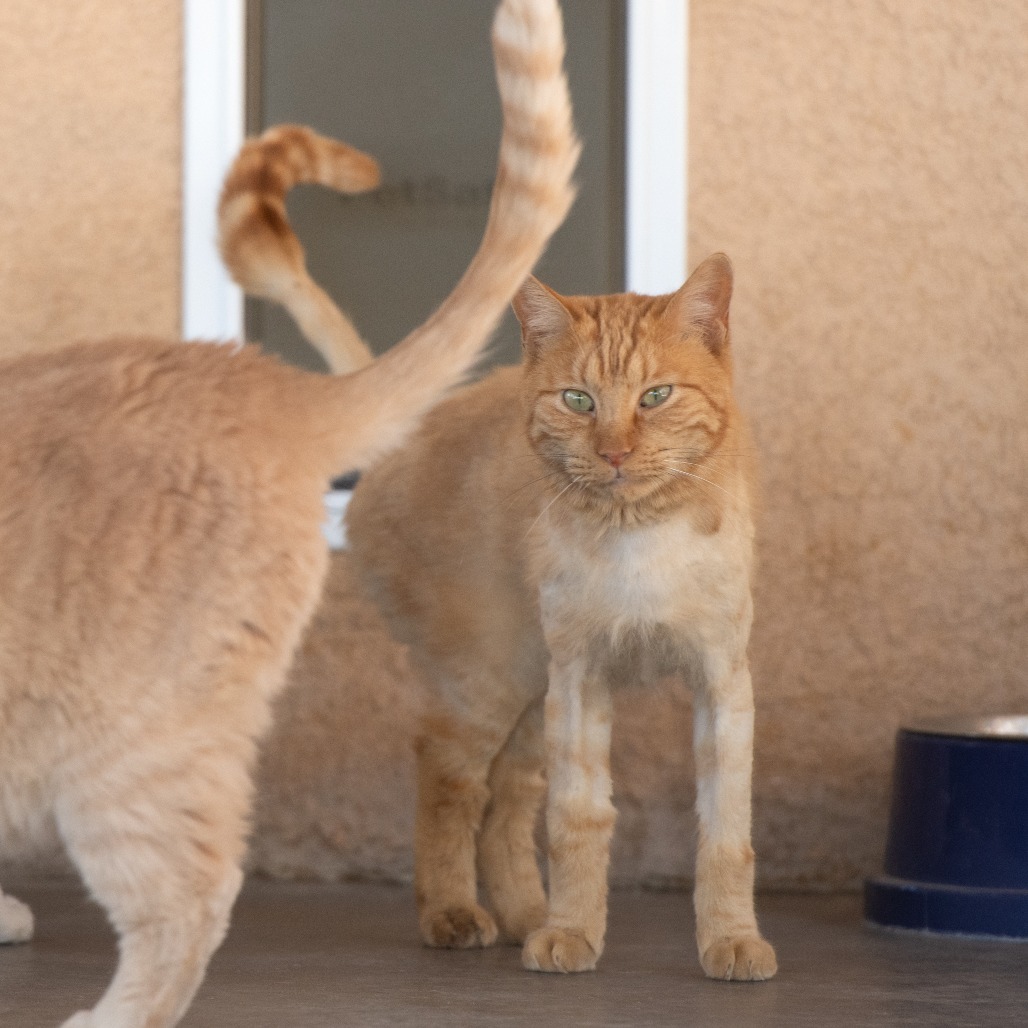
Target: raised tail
(258,245)
(531,197)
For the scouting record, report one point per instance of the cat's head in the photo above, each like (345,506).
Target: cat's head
(628,397)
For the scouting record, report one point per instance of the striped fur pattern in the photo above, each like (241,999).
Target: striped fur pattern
(161,552)
(557,530)
(260,248)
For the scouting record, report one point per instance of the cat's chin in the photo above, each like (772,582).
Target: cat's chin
(622,490)
(631,500)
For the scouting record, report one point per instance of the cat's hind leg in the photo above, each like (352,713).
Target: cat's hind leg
(468,723)
(506,847)
(159,845)
(453,767)
(16,923)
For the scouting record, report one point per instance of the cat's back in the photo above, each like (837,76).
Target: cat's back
(90,419)
(437,530)
(138,416)
(124,395)
(146,487)
(442,477)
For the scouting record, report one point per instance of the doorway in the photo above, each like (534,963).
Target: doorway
(413,84)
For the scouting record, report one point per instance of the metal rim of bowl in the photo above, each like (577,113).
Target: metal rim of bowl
(998,726)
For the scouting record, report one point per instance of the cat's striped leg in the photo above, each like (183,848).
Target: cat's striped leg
(16,922)
(453,767)
(579,820)
(506,847)
(158,836)
(729,942)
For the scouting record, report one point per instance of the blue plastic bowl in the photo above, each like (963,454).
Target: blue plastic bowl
(956,861)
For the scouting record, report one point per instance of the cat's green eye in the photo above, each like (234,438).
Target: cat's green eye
(655,397)
(578,401)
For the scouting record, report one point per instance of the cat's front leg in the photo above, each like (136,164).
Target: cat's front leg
(729,941)
(579,820)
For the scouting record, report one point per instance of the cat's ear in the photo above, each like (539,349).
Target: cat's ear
(700,307)
(542,314)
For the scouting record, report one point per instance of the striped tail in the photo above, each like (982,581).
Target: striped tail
(261,250)
(531,197)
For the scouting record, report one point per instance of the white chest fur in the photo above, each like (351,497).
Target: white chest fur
(636,580)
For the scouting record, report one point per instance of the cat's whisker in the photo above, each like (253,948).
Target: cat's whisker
(727,456)
(573,482)
(732,513)
(548,476)
(699,478)
(714,485)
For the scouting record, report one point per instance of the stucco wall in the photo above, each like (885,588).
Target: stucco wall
(864,166)
(90,137)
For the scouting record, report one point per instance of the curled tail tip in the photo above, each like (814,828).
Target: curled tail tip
(322,159)
(345,168)
(257,243)
(288,155)
(367,174)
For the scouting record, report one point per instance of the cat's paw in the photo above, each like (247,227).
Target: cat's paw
(744,958)
(563,950)
(458,928)
(16,923)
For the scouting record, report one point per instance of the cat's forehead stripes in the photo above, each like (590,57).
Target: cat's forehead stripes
(615,332)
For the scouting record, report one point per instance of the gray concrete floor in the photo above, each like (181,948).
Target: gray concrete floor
(313,956)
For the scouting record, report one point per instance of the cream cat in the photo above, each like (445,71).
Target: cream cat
(161,548)
(553,531)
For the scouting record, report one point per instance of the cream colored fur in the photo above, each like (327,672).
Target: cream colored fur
(535,558)
(161,552)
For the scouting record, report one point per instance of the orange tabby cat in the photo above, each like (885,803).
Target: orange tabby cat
(553,531)
(161,552)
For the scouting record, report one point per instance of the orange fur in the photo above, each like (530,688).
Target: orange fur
(161,552)
(258,244)
(525,549)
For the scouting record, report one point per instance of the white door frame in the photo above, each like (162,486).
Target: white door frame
(214,118)
(214,125)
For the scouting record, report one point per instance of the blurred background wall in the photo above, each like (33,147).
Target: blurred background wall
(90,142)
(864,166)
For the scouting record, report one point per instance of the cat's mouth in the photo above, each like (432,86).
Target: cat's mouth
(603,476)
(626,485)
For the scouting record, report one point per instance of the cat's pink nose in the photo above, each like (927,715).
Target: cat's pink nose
(615,458)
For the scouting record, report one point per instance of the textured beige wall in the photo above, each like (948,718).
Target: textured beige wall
(865,166)
(90,138)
